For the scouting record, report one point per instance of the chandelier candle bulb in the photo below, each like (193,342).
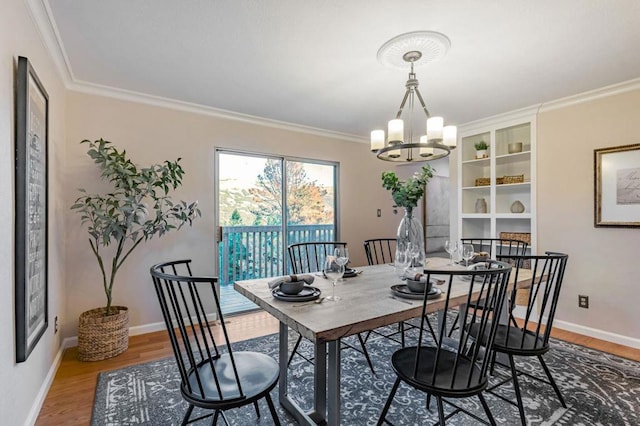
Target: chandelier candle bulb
(377,140)
(450,136)
(434,128)
(425,152)
(396,131)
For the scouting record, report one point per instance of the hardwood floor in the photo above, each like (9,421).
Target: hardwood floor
(70,398)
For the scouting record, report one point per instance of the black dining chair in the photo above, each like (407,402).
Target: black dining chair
(380,250)
(456,367)
(527,331)
(307,258)
(495,247)
(213,375)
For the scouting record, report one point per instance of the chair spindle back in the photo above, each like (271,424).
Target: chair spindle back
(380,250)
(187,303)
(309,257)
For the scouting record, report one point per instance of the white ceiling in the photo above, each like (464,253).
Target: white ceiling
(313,62)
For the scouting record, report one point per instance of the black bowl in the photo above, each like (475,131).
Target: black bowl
(292,288)
(418,286)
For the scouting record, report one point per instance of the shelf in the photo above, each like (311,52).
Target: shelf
(476,215)
(480,162)
(501,163)
(476,188)
(512,215)
(513,158)
(514,187)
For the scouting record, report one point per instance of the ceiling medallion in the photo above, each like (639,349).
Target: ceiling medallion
(411,50)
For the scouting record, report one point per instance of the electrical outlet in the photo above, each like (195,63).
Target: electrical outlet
(55,325)
(583,301)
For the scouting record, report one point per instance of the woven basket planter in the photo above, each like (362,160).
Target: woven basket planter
(101,337)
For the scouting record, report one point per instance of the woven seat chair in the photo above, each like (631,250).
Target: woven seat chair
(213,376)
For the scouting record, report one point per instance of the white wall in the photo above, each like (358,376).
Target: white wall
(153,134)
(602,261)
(22,382)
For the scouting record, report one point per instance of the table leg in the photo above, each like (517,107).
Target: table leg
(283,358)
(320,382)
(333,415)
(318,415)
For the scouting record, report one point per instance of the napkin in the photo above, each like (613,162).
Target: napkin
(289,279)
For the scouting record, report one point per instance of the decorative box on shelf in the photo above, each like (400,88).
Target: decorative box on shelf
(522,296)
(483,181)
(518,236)
(509,179)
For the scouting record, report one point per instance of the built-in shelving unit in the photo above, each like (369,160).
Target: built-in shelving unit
(505,176)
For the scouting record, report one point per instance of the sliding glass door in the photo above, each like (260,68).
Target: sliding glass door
(265,203)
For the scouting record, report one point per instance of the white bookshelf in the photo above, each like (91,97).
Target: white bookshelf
(499,166)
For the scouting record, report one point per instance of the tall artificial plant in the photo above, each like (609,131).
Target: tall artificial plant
(137,208)
(407,193)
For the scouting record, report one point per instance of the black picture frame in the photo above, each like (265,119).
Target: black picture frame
(617,186)
(31,224)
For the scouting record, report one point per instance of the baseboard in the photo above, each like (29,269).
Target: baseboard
(70,342)
(134,331)
(598,334)
(44,389)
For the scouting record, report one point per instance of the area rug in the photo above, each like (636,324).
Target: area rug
(599,389)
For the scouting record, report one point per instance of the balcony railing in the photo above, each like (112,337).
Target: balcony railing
(248,252)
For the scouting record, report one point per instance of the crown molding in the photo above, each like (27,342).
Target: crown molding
(131,96)
(45,24)
(531,112)
(42,16)
(591,95)
(516,116)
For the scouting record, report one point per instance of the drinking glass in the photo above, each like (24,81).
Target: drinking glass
(402,262)
(333,271)
(451,247)
(467,253)
(342,255)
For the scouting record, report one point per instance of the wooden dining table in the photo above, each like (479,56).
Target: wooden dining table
(367,303)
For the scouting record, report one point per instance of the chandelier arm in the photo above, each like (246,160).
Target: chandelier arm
(404,101)
(424,107)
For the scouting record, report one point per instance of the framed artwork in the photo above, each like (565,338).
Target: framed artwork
(32,128)
(617,186)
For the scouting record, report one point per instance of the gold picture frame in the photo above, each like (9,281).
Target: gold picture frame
(617,186)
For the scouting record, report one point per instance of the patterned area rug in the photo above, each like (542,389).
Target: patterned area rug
(599,389)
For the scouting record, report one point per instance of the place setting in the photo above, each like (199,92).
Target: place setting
(294,288)
(409,265)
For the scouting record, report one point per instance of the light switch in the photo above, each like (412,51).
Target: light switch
(379,213)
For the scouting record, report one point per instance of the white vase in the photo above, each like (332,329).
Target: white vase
(481,153)
(481,205)
(517,207)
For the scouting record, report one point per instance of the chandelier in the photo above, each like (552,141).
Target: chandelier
(402,145)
